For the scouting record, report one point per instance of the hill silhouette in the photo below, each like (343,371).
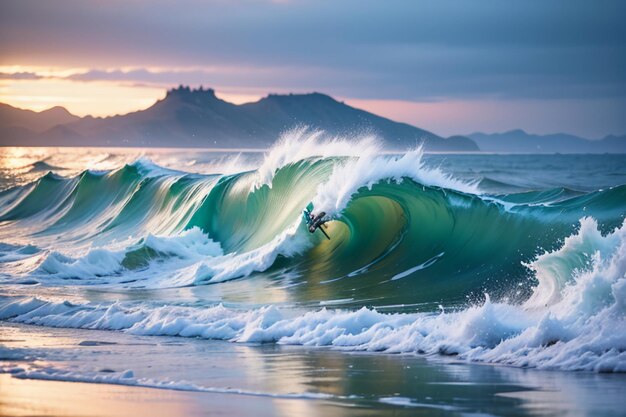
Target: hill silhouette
(518,140)
(198,118)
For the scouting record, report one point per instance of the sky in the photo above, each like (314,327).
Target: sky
(452,67)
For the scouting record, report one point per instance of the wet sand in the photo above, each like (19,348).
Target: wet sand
(27,397)
(270,380)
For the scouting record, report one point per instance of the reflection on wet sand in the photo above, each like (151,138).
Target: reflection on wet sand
(270,378)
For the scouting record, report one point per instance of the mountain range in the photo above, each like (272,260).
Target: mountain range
(198,118)
(519,141)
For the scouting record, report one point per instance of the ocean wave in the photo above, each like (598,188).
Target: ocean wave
(390,216)
(413,251)
(106,267)
(584,328)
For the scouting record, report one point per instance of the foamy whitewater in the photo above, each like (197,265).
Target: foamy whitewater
(422,259)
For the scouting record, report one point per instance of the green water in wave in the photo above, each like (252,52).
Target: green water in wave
(394,243)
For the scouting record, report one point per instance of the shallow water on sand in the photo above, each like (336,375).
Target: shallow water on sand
(212,376)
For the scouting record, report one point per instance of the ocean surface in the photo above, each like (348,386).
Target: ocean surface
(438,265)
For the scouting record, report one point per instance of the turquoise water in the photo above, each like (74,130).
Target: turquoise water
(515,260)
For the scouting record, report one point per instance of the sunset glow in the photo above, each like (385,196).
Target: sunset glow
(94,98)
(40,88)
(118,57)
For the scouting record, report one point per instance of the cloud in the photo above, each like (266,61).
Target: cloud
(19,76)
(411,50)
(251,79)
(424,51)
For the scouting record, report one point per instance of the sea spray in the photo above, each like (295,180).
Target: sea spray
(584,330)
(226,255)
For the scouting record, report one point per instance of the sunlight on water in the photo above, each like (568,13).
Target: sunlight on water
(428,255)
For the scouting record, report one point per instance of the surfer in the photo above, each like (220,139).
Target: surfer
(316,222)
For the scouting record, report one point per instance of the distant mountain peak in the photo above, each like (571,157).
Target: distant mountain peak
(57,110)
(519,141)
(516,132)
(191,94)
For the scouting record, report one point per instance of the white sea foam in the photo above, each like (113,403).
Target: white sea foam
(234,265)
(303,143)
(186,248)
(189,257)
(409,402)
(365,166)
(584,329)
(370,168)
(556,270)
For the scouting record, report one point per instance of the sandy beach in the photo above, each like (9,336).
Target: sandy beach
(211,378)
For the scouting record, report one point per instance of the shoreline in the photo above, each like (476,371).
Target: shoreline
(261,380)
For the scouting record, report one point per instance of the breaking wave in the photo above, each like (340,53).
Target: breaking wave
(412,255)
